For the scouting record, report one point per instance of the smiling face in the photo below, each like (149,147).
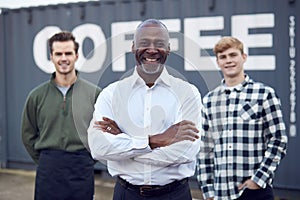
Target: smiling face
(64,56)
(231,58)
(231,62)
(151,48)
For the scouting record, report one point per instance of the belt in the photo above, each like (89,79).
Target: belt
(152,190)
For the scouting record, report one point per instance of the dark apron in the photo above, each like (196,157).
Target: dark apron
(64,175)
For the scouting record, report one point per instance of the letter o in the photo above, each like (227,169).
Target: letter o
(40,47)
(95,33)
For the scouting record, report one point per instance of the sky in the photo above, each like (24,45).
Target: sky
(14,4)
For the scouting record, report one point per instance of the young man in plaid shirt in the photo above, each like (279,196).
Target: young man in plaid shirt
(244,135)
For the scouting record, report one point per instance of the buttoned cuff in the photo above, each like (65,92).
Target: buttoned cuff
(261,182)
(140,143)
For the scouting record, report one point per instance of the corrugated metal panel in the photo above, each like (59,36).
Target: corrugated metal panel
(17,4)
(20,71)
(3,133)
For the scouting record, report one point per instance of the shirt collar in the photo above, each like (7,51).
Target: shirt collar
(238,87)
(163,79)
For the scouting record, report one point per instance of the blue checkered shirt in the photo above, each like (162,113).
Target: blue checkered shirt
(243,137)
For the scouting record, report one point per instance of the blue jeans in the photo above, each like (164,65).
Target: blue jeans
(260,194)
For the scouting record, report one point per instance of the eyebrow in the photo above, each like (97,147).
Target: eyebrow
(67,53)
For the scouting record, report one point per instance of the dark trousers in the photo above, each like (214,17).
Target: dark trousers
(260,194)
(127,191)
(64,175)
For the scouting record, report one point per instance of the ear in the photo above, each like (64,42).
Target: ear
(217,61)
(245,57)
(169,49)
(77,55)
(133,48)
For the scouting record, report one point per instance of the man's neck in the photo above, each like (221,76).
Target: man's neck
(65,80)
(149,84)
(149,78)
(233,81)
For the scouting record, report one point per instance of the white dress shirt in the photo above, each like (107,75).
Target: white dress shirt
(141,111)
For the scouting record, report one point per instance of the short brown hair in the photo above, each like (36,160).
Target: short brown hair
(227,42)
(62,37)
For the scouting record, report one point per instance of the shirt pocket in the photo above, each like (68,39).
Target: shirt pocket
(250,111)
